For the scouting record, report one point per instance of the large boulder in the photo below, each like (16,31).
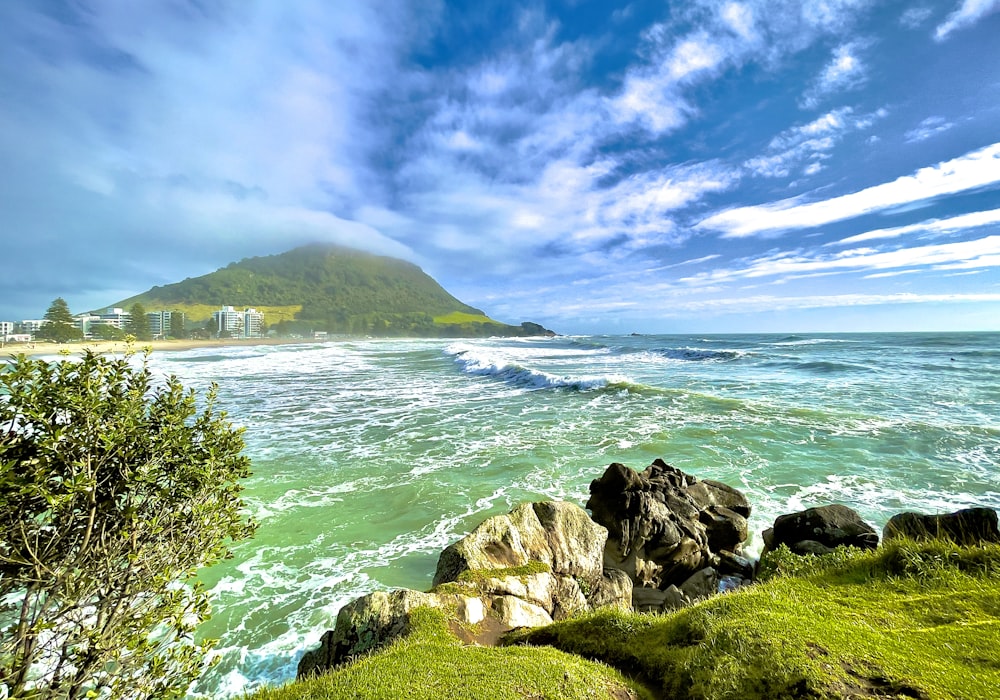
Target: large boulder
(559,535)
(540,562)
(664,526)
(969,527)
(820,530)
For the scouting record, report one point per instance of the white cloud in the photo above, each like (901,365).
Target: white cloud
(973,170)
(927,128)
(809,144)
(914,17)
(967,14)
(982,252)
(933,226)
(844,71)
(771,303)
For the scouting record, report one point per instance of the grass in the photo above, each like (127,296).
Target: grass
(911,620)
(430,664)
(460,317)
(906,621)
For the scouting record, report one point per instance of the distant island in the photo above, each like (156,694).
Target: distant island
(319,290)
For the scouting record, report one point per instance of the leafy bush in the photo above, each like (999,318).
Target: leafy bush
(113,491)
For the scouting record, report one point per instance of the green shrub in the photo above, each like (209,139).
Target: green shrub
(113,491)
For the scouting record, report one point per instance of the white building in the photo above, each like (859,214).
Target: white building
(31,326)
(164,324)
(84,323)
(116,317)
(6,329)
(238,324)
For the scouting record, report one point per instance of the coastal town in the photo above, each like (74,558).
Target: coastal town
(114,323)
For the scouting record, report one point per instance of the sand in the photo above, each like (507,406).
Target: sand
(117,346)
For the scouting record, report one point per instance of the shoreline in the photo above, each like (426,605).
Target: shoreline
(119,346)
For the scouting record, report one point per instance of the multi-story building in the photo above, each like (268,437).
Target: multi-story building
(84,323)
(165,324)
(6,329)
(238,324)
(30,326)
(116,317)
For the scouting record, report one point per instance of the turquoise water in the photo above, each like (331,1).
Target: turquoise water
(372,456)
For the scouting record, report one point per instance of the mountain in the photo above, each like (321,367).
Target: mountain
(321,287)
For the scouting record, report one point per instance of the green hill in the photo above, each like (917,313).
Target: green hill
(320,287)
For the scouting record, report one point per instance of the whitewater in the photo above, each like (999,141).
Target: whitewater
(371,456)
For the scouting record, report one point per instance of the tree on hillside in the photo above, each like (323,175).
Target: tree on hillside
(138,324)
(113,491)
(59,323)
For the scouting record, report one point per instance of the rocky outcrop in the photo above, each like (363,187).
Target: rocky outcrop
(540,562)
(670,532)
(968,527)
(820,530)
(373,620)
(559,535)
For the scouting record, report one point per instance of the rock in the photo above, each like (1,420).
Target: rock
(514,612)
(826,526)
(674,599)
(373,620)
(558,534)
(614,589)
(701,585)
(645,599)
(967,527)
(734,565)
(664,525)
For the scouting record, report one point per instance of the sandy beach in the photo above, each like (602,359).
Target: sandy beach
(117,346)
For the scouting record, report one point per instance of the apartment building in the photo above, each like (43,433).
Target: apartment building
(238,324)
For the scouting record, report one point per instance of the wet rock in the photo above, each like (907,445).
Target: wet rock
(968,527)
(820,530)
(664,525)
(735,565)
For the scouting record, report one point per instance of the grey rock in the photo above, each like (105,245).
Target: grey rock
(969,526)
(830,526)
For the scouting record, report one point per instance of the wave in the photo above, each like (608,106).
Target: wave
(820,367)
(479,362)
(688,354)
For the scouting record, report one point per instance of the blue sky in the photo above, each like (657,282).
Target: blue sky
(710,165)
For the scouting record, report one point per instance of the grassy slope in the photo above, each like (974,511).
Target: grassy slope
(907,621)
(430,664)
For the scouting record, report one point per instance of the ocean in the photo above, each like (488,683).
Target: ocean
(371,456)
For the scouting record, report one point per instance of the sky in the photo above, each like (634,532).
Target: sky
(597,167)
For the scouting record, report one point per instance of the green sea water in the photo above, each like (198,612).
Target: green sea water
(372,456)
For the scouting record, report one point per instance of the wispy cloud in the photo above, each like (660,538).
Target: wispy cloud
(978,253)
(807,146)
(967,14)
(931,126)
(938,227)
(973,170)
(914,17)
(844,71)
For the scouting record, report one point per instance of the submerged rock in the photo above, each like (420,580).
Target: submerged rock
(969,527)
(665,526)
(820,530)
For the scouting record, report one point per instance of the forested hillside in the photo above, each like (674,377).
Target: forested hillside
(330,288)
